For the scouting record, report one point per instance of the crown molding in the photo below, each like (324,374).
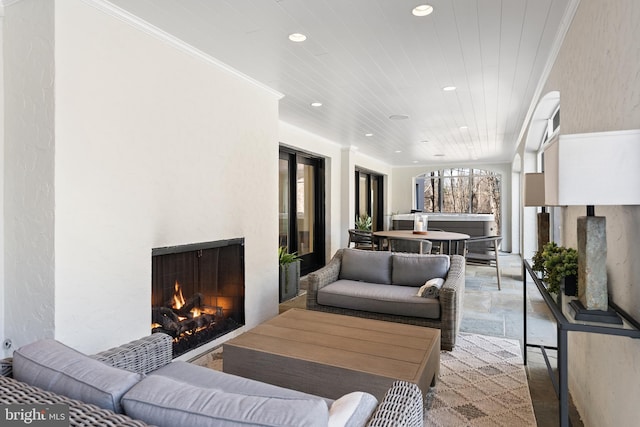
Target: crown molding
(144,26)
(567,17)
(5,3)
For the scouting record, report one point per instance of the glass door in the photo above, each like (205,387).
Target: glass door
(369,198)
(302,208)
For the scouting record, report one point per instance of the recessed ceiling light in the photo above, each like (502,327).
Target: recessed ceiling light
(398,117)
(464,127)
(415,161)
(449,88)
(398,151)
(438,155)
(368,134)
(424,141)
(316,104)
(297,37)
(422,10)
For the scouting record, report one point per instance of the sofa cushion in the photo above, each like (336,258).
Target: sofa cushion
(366,266)
(373,297)
(165,402)
(209,378)
(53,366)
(352,409)
(415,269)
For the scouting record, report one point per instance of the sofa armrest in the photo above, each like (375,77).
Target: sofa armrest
(80,414)
(6,367)
(401,406)
(451,300)
(322,277)
(142,356)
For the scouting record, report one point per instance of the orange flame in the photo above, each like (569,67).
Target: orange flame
(178,299)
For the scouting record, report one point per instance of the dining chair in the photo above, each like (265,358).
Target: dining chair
(361,239)
(410,246)
(483,250)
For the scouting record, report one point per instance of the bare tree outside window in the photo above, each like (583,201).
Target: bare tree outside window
(462,190)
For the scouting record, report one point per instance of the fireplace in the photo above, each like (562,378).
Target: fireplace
(197,292)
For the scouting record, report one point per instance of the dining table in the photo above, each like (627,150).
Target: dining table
(454,242)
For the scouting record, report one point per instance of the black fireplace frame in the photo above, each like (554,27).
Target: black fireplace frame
(232,320)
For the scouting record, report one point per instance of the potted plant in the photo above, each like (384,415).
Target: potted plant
(558,264)
(363,222)
(289,273)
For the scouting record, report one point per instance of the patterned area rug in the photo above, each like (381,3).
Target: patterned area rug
(482,383)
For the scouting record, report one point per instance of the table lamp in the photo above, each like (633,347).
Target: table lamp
(534,196)
(599,168)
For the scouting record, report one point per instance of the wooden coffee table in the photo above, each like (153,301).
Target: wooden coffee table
(330,355)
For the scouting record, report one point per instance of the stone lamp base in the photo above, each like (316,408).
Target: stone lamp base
(592,262)
(543,229)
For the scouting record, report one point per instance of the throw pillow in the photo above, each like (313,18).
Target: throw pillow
(352,409)
(53,366)
(431,289)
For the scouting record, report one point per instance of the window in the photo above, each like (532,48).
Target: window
(459,190)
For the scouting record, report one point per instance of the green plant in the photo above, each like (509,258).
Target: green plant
(363,222)
(285,257)
(557,263)
(538,261)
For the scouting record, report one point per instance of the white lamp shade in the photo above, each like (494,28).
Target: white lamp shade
(599,168)
(534,189)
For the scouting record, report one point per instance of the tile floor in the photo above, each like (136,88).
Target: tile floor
(499,313)
(489,311)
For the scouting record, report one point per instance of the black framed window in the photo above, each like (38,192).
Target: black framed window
(301,207)
(370,197)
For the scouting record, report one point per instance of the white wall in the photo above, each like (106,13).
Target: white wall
(28,171)
(153,147)
(597,73)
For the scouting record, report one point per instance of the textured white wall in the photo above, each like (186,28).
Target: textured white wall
(28,171)
(598,75)
(153,147)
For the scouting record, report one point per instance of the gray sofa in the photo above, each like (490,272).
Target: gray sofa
(137,384)
(383,285)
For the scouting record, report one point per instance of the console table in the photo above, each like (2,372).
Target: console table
(565,322)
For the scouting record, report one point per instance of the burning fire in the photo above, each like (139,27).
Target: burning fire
(179,301)
(178,298)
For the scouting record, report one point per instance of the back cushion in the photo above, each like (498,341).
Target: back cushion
(53,366)
(366,266)
(415,269)
(165,402)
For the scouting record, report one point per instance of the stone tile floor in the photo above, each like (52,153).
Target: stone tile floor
(489,311)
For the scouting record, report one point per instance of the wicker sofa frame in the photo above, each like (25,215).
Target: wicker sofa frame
(401,406)
(451,299)
(143,356)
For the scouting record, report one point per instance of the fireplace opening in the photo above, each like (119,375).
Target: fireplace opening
(197,292)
